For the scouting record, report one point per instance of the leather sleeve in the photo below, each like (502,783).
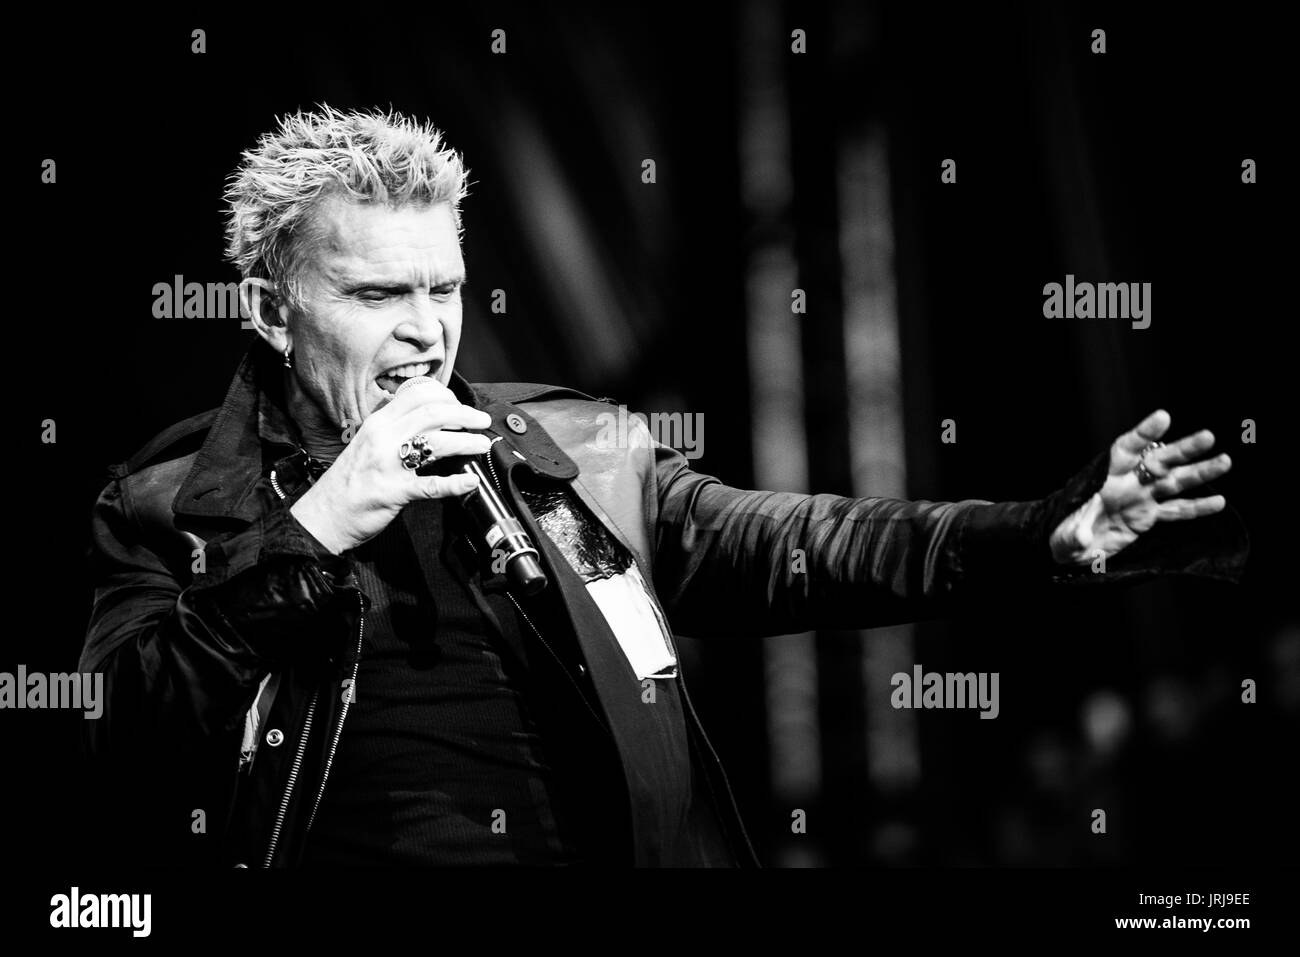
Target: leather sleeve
(184,660)
(730,562)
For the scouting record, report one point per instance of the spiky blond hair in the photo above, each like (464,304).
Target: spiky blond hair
(369,156)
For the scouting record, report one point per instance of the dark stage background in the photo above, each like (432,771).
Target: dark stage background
(774,171)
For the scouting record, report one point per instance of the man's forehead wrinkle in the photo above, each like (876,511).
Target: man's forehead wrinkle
(353,269)
(398,259)
(357,247)
(368,255)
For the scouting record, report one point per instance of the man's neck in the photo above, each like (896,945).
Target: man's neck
(320,437)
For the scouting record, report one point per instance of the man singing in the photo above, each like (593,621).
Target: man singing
(312,642)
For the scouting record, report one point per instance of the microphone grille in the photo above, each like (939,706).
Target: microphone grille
(414,380)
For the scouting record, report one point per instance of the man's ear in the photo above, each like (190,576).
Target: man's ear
(267,310)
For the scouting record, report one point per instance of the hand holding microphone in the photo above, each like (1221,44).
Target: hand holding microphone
(367,485)
(377,474)
(511,549)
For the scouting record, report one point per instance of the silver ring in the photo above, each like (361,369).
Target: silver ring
(415,453)
(1144,474)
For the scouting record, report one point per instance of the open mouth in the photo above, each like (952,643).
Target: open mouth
(391,380)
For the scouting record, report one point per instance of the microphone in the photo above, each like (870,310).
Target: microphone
(501,531)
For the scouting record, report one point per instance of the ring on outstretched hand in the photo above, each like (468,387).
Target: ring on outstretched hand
(416,452)
(1145,475)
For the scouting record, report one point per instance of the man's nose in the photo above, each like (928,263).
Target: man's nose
(424,325)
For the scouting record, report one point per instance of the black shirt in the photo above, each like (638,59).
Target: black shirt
(442,760)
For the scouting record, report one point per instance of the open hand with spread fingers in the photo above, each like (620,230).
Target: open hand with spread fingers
(1145,485)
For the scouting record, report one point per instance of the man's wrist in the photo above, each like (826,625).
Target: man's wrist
(1071,539)
(310,512)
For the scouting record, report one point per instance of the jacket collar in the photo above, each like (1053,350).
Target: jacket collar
(253,432)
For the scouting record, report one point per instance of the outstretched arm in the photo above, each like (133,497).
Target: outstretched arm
(732,562)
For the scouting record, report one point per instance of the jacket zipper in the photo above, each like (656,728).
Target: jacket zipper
(491,467)
(302,745)
(293,778)
(306,729)
(343,714)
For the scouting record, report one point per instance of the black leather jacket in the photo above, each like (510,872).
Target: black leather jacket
(227,636)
